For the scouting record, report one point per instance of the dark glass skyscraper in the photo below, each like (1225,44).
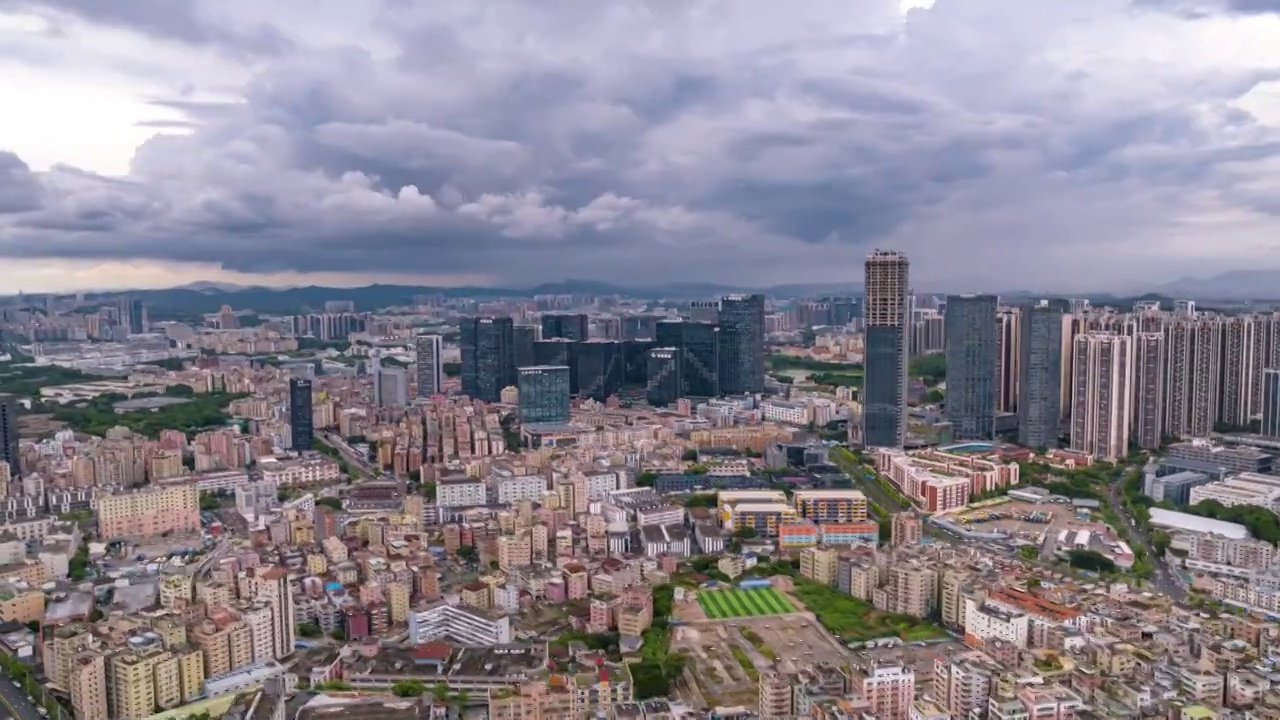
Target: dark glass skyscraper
(972,342)
(300,431)
(598,368)
(1271,402)
(553,352)
(9,433)
(885,310)
(699,346)
(635,362)
(544,394)
(568,326)
(1040,368)
(741,321)
(664,383)
(488,356)
(524,336)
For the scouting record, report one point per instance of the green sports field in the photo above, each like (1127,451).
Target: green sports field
(721,604)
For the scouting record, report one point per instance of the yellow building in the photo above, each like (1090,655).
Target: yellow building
(141,678)
(149,512)
(316,564)
(21,602)
(819,565)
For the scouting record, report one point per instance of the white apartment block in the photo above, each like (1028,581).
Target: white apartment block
(515,488)
(305,471)
(464,625)
(461,492)
(1101,394)
(782,411)
(220,480)
(600,484)
(1246,488)
(986,623)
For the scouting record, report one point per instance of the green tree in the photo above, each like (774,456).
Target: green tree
(932,368)
(701,500)
(744,533)
(1091,560)
(409,688)
(309,630)
(208,501)
(330,502)
(1028,552)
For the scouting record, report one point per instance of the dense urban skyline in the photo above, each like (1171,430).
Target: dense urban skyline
(654,141)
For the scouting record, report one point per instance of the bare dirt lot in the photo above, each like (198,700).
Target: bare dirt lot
(728,656)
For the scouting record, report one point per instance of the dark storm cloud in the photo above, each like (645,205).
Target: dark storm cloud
(635,140)
(180,20)
(19,190)
(1255,6)
(1193,9)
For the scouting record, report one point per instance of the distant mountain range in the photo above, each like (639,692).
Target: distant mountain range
(210,297)
(1259,286)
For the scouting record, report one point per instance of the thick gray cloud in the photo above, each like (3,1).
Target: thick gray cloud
(645,140)
(181,20)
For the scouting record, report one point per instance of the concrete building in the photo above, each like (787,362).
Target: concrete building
(1230,459)
(830,506)
(149,512)
(87,685)
(775,701)
(886,310)
(905,529)
(889,690)
(390,386)
(464,625)
(819,565)
(1193,351)
(1007,338)
(1242,489)
(1101,395)
(1148,390)
(1176,488)
(460,491)
(429,360)
(984,623)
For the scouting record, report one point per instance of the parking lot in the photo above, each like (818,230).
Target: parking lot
(728,656)
(920,657)
(1038,523)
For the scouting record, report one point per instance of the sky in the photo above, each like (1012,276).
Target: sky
(1002,144)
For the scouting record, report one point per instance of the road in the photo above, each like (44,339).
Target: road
(1165,580)
(356,459)
(14,702)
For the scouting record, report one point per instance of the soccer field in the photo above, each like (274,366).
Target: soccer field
(721,604)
